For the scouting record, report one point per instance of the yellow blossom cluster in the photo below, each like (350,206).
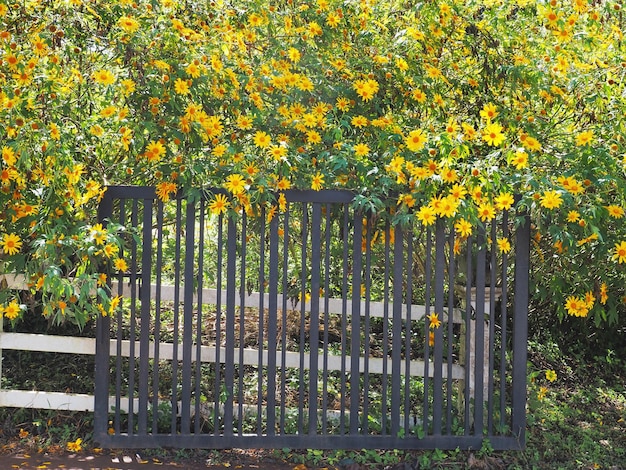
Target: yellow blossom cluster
(444,111)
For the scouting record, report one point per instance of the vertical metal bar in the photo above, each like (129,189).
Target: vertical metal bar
(283,341)
(231,292)
(188,285)
(103,348)
(503,324)
(385,376)
(344,313)
(242,322)
(217,387)
(301,346)
(428,292)
(176,324)
(355,340)
(520,325)
(133,323)
(366,326)
(198,336)
(440,262)
(491,325)
(119,334)
(396,333)
(327,294)
(469,280)
(157,318)
(261,325)
(479,336)
(314,330)
(144,340)
(272,332)
(408,329)
(450,324)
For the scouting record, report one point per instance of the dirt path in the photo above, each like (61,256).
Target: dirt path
(133,461)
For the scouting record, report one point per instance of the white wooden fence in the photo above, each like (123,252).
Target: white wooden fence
(71,345)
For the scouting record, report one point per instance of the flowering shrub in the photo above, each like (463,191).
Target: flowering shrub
(451,107)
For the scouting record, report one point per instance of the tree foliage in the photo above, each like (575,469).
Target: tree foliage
(439,109)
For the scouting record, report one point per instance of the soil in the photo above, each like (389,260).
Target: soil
(132,460)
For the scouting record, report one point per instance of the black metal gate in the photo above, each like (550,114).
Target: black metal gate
(310,325)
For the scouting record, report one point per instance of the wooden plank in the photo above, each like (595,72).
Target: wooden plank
(37,399)
(73,345)
(253,299)
(58,401)
(47,343)
(209,297)
(46,400)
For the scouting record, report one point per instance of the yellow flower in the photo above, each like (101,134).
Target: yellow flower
(282,202)
(406,199)
(244,122)
(447,207)
(492,134)
(571,184)
(366,89)
(551,200)
(333,19)
(604,296)
(520,160)
(8,156)
(262,139)
(573,216)
(154,151)
(550,375)
(418,95)
(108,111)
(219,204)
(541,394)
(361,150)
(576,307)
(584,138)
(75,446)
(458,191)
(11,244)
(313,137)
(433,321)
(620,252)
(235,183)
(486,212)
(504,201)
(426,215)
(165,189)
(104,77)
(317,182)
(489,112)
(616,212)
(416,140)
(504,245)
(448,175)
(181,86)
(120,265)
(359,121)
(463,228)
(12,310)
(128,24)
(283,184)
(128,86)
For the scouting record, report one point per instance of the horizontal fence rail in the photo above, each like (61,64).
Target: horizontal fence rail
(312,326)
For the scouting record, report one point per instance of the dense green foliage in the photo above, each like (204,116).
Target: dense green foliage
(455,106)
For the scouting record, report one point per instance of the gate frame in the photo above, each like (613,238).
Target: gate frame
(514,441)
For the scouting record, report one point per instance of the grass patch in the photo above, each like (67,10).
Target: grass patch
(576,421)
